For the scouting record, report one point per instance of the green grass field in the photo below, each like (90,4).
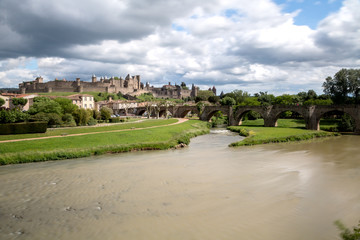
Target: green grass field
(111,142)
(287,130)
(71,130)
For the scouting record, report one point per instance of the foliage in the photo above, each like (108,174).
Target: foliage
(250,101)
(228,101)
(344,86)
(238,95)
(203,95)
(287,99)
(13,116)
(23,128)
(81,116)
(91,121)
(318,102)
(54,119)
(106,113)
(2,102)
(19,102)
(146,97)
(66,105)
(347,123)
(214,99)
(346,233)
(45,105)
(264,98)
(68,120)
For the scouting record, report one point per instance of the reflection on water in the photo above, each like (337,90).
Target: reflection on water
(205,191)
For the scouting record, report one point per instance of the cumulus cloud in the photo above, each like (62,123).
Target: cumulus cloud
(232,44)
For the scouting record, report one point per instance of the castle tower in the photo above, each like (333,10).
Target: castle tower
(93,78)
(39,79)
(214,90)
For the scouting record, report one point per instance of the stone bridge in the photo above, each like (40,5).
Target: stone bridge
(270,114)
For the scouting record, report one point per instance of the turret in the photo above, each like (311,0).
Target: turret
(93,78)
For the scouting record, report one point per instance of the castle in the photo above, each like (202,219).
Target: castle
(131,85)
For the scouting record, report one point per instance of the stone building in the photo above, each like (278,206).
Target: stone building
(113,85)
(83,101)
(131,85)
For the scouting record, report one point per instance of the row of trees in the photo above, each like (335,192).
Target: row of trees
(57,112)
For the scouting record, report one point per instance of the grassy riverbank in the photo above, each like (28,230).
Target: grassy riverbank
(130,139)
(288,130)
(93,129)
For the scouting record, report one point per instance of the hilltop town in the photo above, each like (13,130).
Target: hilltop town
(131,85)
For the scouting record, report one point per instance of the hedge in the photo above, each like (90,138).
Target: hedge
(23,127)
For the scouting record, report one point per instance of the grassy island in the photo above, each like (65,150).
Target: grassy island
(288,130)
(84,142)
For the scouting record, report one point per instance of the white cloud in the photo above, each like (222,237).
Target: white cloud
(255,48)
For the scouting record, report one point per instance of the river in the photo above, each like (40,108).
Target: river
(205,191)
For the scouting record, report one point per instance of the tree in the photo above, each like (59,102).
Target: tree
(106,113)
(2,102)
(81,116)
(183,86)
(238,95)
(344,86)
(203,95)
(214,99)
(66,105)
(229,101)
(19,103)
(265,99)
(44,105)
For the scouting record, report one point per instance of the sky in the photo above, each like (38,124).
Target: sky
(278,46)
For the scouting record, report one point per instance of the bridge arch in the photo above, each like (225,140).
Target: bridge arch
(336,110)
(209,112)
(240,115)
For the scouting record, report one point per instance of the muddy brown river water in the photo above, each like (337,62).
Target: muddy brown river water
(205,191)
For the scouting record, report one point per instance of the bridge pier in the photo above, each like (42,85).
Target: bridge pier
(270,122)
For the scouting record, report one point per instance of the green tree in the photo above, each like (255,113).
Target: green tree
(203,95)
(344,87)
(66,105)
(81,116)
(19,102)
(265,99)
(214,99)
(287,99)
(45,105)
(2,102)
(106,113)
(238,95)
(229,101)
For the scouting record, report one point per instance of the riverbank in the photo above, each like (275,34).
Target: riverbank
(261,135)
(147,135)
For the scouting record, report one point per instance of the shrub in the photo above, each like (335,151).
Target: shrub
(54,119)
(12,116)
(92,121)
(22,128)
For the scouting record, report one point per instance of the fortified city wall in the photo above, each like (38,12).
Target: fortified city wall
(130,85)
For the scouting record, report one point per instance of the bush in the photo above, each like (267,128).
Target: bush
(12,116)
(23,128)
(92,122)
(116,120)
(54,119)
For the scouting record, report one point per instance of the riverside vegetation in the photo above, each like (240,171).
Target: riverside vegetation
(288,130)
(149,137)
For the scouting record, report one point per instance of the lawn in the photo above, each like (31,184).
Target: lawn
(80,146)
(77,130)
(287,130)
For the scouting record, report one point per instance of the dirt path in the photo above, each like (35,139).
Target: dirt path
(180,120)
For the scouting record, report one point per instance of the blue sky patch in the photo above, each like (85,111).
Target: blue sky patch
(312,11)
